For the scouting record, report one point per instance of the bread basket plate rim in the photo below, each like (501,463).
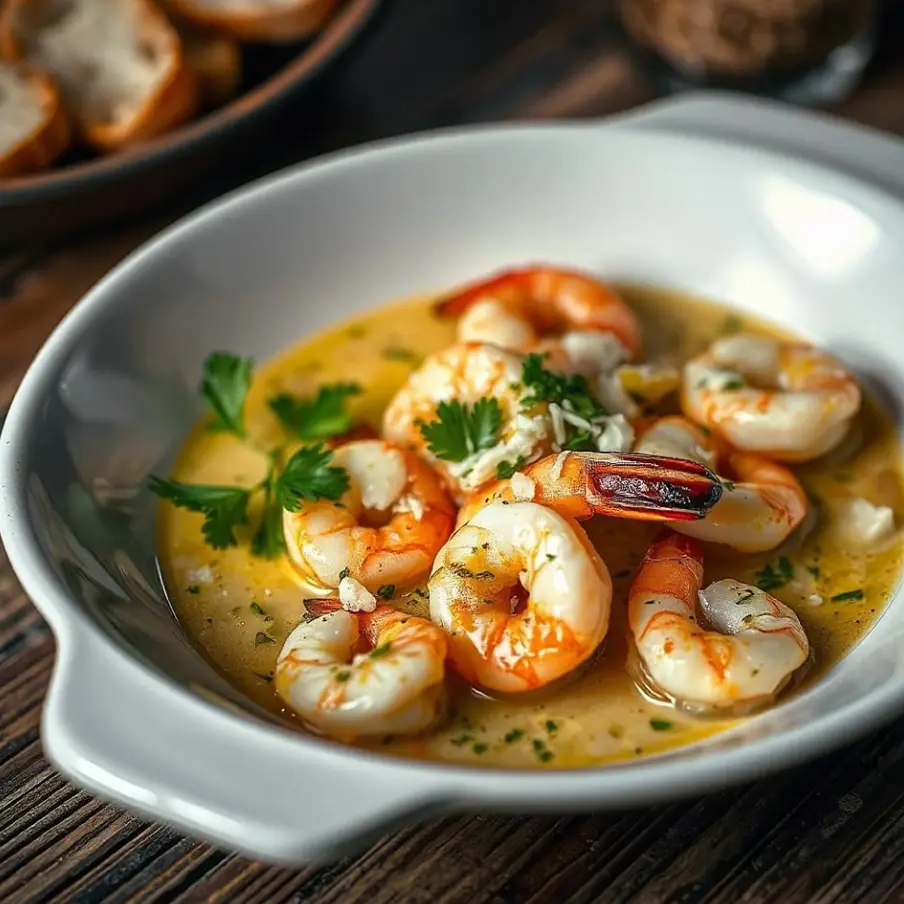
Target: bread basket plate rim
(336,36)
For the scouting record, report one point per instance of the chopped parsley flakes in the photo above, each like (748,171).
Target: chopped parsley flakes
(847,596)
(775,575)
(548,386)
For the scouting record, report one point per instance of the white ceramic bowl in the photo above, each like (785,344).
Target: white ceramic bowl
(133,713)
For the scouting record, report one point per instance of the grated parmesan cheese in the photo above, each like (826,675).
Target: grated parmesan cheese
(617,435)
(355,597)
(558,424)
(556,471)
(864,524)
(523,487)
(719,378)
(411,504)
(201,575)
(376,470)
(610,391)
(612,433)
(593,351)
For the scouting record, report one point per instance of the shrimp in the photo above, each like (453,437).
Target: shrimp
(386,528)
(356,675)
(467,372)
(804,409)
(580,485)
(522,595)
(760,505)
(728,648)
(515,309)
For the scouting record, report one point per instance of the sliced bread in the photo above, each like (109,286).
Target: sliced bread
(216,60)
(33,127)
(274,21)
(118,63)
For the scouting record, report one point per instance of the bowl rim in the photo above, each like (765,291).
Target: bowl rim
(654,778)
(337,33)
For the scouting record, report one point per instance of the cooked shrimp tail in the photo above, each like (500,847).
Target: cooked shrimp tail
(646,487)
(761,504)
(317,607)
(620,485)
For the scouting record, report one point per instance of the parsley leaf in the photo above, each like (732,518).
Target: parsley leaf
(580,441)
(460,431)
(308,475)
(225,385)
(269,541)
(320,417)
(224,508)
(506,469)
(548,386)
(486,422)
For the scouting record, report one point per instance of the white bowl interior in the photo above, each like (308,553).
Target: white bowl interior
(115,391)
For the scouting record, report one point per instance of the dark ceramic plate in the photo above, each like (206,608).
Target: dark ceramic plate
(82,193)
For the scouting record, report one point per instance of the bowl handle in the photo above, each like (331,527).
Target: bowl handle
(869,154)
(118,730)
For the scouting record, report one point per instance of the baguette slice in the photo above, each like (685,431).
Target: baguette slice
(275,21)
(118,64)
(216,61)
(33,127)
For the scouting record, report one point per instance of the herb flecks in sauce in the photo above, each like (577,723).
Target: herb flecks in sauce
(401,354)
(847,596)
(775,574)
(607,719)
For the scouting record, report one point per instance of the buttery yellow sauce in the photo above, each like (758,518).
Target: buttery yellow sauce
(239,609)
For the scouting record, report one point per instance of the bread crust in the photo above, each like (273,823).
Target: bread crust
(249,21)
(37,150)
(216,61)
(173,100)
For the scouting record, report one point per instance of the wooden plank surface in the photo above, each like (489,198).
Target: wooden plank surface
(832,831)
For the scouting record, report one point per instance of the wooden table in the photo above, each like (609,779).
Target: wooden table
(830,831)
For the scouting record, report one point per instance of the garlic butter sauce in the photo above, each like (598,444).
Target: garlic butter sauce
(239,609)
